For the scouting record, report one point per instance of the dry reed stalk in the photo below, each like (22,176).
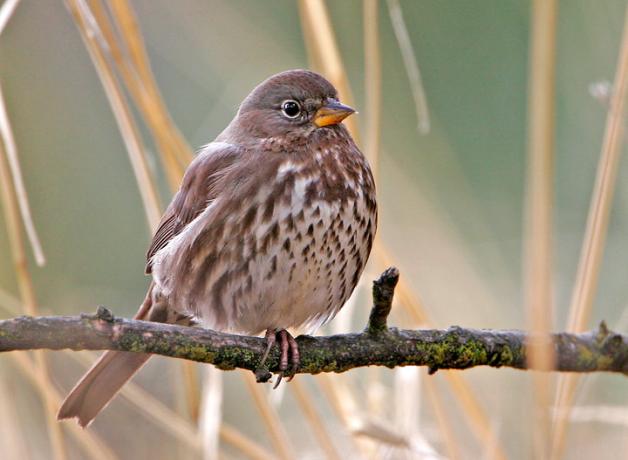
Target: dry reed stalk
(373,84)
(6,11)
(94,42)
(372,141)
(100,39)
(377,394)
(311,414)
(595,235)
(276,430)
(538,248)
(150,109)
(476,416)
(28,297)
(98,42)
(449,438)
(245,445)
(192,389)
(321,40)
(89,442)
(478,420)
(13,436)
(210,412)
(6,135)
(411,65)
(129,29)
(127,51)
(342,401)
(313,58)
(337,394)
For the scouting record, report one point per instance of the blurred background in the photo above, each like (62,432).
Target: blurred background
(452,201)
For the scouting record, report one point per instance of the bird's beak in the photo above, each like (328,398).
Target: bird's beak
(332,113)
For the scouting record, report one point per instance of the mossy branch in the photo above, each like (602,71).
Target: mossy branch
(378,345)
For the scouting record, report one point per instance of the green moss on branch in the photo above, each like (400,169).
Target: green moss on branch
(453,348)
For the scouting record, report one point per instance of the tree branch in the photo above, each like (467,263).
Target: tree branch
(453,348)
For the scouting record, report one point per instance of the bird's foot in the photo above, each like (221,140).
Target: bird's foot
(289,354)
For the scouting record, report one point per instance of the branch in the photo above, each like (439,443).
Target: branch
(453,348)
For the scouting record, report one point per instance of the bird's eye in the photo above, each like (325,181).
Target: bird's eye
(291,108)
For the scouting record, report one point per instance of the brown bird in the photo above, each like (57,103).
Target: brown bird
(271,229)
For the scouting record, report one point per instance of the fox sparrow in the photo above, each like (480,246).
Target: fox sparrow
(271,229)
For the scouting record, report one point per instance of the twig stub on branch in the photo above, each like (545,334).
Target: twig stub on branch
(383,292)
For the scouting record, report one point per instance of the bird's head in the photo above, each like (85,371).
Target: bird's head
(291,102)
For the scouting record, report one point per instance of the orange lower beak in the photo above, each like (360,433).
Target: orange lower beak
(332,113)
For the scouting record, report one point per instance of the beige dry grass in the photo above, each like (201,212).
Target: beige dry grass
(595,237)
(28,296)
(538,251)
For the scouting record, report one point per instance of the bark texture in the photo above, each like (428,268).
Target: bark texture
(378,345)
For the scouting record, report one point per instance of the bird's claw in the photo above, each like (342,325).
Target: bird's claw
(289,357)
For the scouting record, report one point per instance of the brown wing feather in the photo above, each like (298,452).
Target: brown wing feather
(196,192)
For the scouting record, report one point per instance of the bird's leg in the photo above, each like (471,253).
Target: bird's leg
(284,346)
(295,358)
(288,355)
(289,352)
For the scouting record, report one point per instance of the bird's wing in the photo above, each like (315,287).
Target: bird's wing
(198,189)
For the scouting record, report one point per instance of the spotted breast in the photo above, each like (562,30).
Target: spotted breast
(279,252)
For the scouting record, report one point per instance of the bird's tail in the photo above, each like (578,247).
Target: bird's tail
(105,379)
(100,384)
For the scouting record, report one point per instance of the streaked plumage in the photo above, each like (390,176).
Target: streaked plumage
(272,225)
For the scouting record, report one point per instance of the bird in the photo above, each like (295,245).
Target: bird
(270,230)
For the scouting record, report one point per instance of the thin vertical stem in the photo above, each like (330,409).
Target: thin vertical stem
(322,44)
(28,297)
(91,444)
(6,11)
(411,65)
(318,426)
(476,417)
(449,438)
(595,236)
(373,80)
(373,110)
(344,405)
(130,134)
(137,76)
(539,207)
(275,428)
(245,445)
(176,154)
(6,134)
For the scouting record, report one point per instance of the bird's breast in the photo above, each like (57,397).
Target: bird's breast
(288,253)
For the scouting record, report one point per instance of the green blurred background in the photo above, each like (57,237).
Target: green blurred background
(451,201)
